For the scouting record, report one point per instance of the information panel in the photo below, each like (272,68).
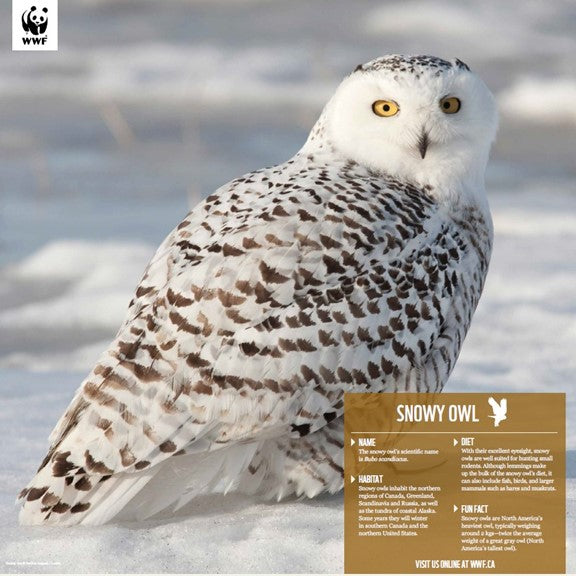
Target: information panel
(455,483)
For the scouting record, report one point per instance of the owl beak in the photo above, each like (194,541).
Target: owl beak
(423,143)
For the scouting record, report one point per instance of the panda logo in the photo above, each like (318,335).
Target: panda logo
(35,20)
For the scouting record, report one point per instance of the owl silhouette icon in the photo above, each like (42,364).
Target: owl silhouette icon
(499,410)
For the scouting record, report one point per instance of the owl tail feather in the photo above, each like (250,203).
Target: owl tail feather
(127,497)
(80,499)
(272,469)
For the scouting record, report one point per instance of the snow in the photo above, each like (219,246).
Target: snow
(524,330)
(204,92)
(530,286)
(226,534)
(93,280)
(522,339)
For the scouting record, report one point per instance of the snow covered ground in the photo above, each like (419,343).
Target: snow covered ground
(147,107)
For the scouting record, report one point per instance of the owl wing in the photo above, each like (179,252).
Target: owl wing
(265,305)
(494,404)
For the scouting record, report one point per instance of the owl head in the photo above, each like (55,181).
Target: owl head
(420,118)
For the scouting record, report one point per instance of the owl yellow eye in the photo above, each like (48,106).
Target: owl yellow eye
(450,105)
(385,108)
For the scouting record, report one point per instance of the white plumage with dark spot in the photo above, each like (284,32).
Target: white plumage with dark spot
(355,266)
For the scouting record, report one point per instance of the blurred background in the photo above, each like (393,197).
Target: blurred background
(149,105)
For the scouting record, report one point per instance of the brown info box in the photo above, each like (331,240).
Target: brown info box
(455,483)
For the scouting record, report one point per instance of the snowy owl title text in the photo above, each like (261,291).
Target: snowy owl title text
(436,413)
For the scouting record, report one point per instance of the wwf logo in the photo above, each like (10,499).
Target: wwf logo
(34,24)
(35,20)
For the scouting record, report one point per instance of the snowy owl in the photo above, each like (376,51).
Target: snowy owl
(355,266)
